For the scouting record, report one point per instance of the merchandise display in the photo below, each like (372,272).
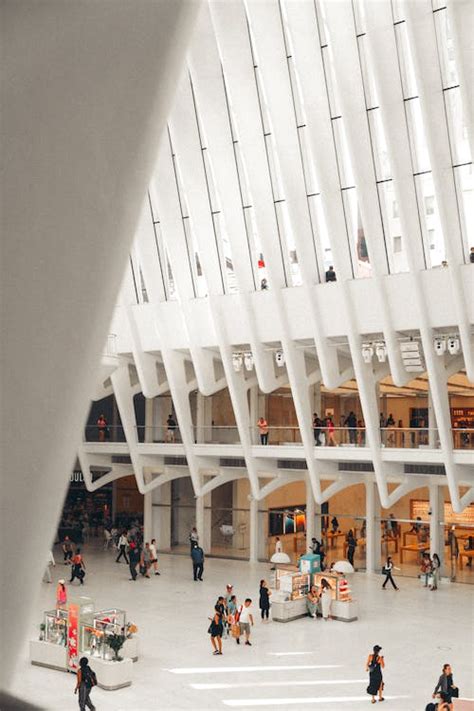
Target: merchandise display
(343,607)
(104,636)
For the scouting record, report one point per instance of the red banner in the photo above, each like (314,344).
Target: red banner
(72,636)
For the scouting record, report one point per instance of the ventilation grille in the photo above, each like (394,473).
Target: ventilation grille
(356,467)
(121,459)
(425,469)
(234,462)
(176,461)
(292,464)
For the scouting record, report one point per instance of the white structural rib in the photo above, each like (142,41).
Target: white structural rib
(381,41)
(421,32)
(461,16)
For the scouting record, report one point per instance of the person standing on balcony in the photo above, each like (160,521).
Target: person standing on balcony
(351,423)
(102,428)
(171,424)
(331,274)
(262,425)
(360,433)
(331,441)
(316,429)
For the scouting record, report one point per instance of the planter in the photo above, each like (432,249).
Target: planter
(130,649)
(46,654)
(112,675)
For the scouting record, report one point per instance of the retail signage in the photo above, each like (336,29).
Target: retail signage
(73,636)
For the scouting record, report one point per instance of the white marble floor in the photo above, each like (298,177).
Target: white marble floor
(306,663)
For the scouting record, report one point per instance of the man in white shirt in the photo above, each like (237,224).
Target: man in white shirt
(245,620)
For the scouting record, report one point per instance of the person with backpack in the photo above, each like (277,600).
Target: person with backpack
(387,571)
(446,689)
(86,680)
(375,664)
(78,568)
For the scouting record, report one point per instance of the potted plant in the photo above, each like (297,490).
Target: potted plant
(116,642)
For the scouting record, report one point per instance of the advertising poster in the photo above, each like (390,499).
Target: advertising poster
(72,637)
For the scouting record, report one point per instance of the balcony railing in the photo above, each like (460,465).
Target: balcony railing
(390,437)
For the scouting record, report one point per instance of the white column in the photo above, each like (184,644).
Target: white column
(85,163)
(437,515)
(203,522)
(310,513)
(147,516)
(431,424)
(161,516)
(373,535)
(317,398)
(253,523)
(254,413)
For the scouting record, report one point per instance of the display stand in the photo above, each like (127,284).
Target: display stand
(112,675)
(48,654)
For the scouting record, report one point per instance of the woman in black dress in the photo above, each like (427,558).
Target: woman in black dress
(216,630)
(264,600)
(375,664)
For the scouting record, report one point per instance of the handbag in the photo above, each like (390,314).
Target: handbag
(454,692)
(235,630)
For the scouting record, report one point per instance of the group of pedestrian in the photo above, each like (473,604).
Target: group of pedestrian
(324,431)
(229,619)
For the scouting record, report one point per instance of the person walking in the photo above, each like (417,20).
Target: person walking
(262,425)
(61,595)
(85,682)
(246,620)
(315,546)
(387,571)
(122,546)
(197,554)
(134,559)
(435,568)
(316,429)
(375,664)
(264,602)
(351,546)
(445,687)
(193,538)
(67,550)
(312,601)
(154,556)
(233,618)
(326,599)
(426,568)
(216,629)
(145,560)
(78,568)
